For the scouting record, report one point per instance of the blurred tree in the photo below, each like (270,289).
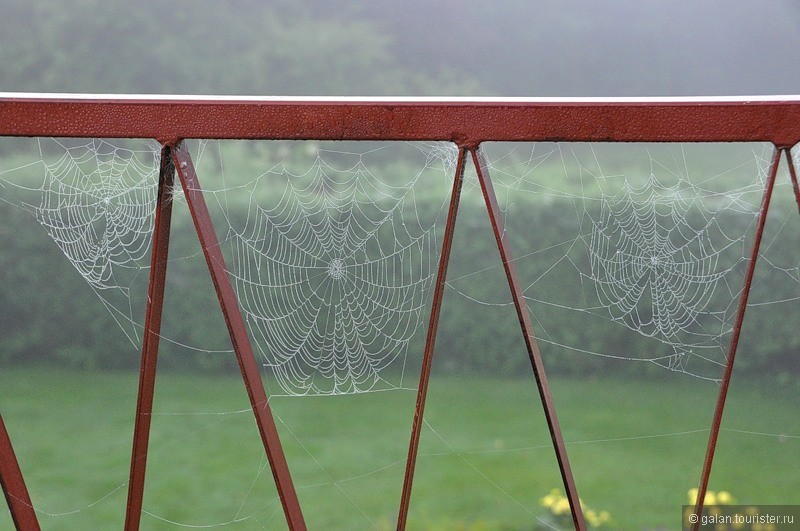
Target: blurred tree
(274,48)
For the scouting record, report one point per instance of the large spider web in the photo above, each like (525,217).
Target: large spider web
(333,277)
(652,269)
(658,246)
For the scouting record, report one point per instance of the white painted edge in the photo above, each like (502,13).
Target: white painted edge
(400,99)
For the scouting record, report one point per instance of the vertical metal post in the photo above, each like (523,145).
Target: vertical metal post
(530,340)
(238,334)
(737,329)
(433,325)
(19,501)
(152,332)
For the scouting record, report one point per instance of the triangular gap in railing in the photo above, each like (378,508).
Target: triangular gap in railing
(521,307)
(504,247)
(177,158)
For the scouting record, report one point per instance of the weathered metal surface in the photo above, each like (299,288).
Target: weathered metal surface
(430,342)
(523,315)
(466,122)
(737,330)
(239,338)
(151,336)
(19,501)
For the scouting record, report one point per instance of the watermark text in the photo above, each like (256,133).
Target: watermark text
(743,517)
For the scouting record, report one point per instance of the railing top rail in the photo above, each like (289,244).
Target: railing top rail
(466,121)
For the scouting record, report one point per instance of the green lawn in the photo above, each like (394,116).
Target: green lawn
(636,447)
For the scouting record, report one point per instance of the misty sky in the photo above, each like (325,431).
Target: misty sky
(410,47)
(613,47)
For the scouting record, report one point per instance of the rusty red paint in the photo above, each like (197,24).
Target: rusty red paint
(737,330)
(239,338)
(16,493)
(430,342)
(466,122)
(152,333)
(523,315)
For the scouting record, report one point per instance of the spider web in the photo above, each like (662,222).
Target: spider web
(657,247)
(334,276)
(655,272)
(96,202)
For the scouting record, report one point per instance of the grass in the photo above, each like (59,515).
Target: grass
(636,447)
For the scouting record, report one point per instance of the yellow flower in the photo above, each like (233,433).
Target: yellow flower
(724,497)
(712,498)
(596,519)
(550,500)
(560,507)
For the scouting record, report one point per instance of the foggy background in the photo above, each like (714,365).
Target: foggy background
(344,47)
(414,47)
(69,368)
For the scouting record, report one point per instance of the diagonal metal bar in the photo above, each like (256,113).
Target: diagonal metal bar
(793,175)
(19,501)
(530,340)
(737,329)
(433,325)
(150,341)
(239,339)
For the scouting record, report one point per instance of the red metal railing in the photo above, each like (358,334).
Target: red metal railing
(468,123)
